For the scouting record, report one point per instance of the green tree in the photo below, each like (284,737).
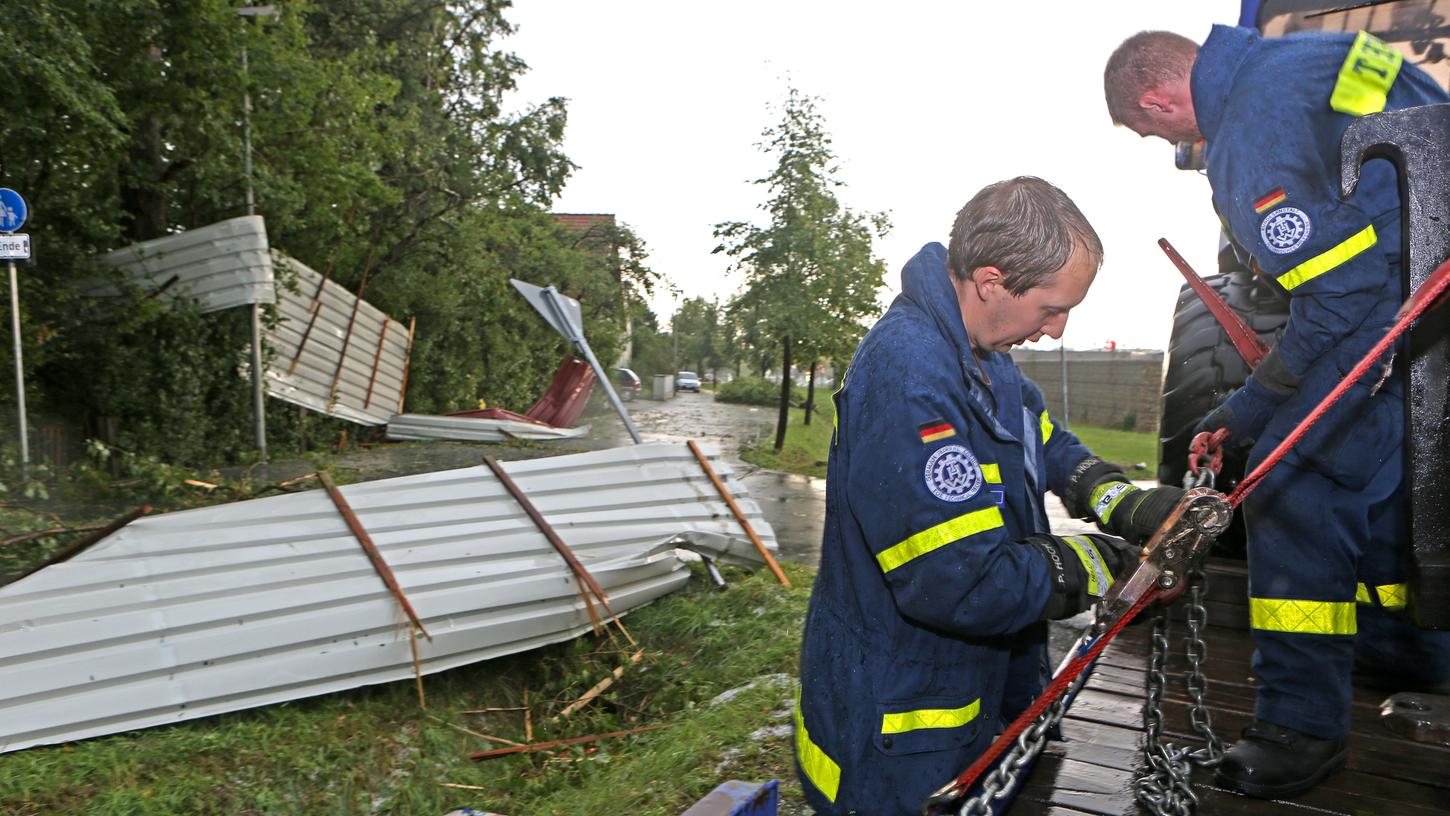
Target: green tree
(805,269)
(383,153)
(696,325)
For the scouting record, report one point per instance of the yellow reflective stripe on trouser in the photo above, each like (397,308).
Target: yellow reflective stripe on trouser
(1304,617)
(967,524)
(1365,78)
(1319,264)
(930,718)
(823,771)
(991,474)
(1099,578)
(1046,427)
(1389,596)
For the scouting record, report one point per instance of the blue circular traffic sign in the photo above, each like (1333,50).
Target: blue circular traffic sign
(13,211)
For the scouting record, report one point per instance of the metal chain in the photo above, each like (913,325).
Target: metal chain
(1165,789)
(1002,781)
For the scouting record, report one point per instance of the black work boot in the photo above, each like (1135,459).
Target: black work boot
(1274,762)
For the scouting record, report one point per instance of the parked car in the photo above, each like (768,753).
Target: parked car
(687,381)
(626,382)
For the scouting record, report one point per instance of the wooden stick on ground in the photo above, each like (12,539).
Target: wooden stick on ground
(600,687)
(739,515)
(544,746)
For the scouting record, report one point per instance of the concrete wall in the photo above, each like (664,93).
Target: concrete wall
(1111,389)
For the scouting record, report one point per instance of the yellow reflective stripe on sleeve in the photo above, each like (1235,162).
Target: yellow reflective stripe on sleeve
(1046,427)
(1364,81)
(1389,596)
(1099,578)
(967,524)
(991,474)
(1319,264)
(930,718)
(823,771)
(1304,617)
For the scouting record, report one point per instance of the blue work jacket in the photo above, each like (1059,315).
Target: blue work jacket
(924,633)
(1273,112)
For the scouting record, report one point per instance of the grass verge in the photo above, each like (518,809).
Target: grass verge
(807,446)
(375,751)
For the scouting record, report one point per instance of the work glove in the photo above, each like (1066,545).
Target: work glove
(1081,567)
(1100,491)
(1133,512)
(1247,411)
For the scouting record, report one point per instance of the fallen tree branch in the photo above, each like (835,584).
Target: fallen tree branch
(544,746)
(24,537)
(600,687)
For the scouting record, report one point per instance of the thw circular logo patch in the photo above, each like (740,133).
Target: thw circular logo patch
(952,474)
(1285,230)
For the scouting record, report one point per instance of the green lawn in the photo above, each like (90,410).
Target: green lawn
(806,446)
(374,750)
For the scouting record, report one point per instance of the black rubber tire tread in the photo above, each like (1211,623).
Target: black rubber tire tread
(1202,368)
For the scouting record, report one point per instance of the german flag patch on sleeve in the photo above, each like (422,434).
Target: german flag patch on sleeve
(1269,199)
(934,429)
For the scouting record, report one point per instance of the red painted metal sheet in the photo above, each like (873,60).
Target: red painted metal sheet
(562,404)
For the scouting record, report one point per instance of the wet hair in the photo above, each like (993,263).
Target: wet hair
(1145,61)
(1023,226)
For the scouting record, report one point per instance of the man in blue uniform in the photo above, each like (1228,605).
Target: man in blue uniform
(1327,526)
(926,630)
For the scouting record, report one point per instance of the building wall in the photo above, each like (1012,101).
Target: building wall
(1110,389)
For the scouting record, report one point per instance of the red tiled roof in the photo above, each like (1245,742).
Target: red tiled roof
(582,222)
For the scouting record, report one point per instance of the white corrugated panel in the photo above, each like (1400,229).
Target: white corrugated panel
(354,374)
(220,266)
(223,608)
(474,429)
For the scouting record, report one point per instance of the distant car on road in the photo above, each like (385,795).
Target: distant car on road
(687,381)
(627,382)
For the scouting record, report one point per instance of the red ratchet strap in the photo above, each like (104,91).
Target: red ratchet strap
(1245,340)
(1425,298)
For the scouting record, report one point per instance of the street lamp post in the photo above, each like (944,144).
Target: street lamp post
(259,412)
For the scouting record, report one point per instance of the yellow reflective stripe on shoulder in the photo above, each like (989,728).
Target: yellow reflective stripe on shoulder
(991,474)
(1364,81)
(932,538)
(1319,264)
(930,718)
(1303,617)
(823,771)
(1389,596)
(1046,427)
(1099,578)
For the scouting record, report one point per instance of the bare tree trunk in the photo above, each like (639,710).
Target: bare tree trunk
(784,417)
(810,394)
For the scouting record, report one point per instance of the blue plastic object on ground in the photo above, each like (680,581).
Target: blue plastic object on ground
(735,798)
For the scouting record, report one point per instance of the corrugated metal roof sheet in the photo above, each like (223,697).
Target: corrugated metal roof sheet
(221,265)
(472,429)
(223,608)
(371,347)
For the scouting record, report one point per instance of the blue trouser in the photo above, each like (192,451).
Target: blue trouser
(1315,545)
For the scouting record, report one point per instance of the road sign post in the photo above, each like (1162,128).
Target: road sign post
(563,313)
(13,214)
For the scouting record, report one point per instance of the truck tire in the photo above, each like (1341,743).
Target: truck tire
(1202,368)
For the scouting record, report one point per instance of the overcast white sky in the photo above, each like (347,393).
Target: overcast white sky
(926,103)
